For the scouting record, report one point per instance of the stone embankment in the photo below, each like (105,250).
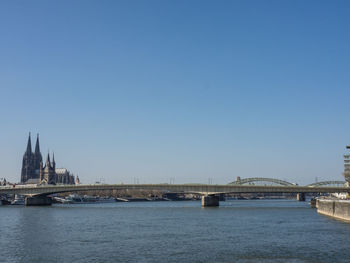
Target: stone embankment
(339,209)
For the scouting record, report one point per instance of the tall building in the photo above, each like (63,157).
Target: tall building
(347,167)
(35,172)
(31,161)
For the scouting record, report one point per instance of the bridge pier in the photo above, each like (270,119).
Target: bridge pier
(301,197)
(37,201)
(210,200)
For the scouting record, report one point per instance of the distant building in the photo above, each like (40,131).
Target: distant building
(35,172)
(3,182)
(347,167)
(77,180)
(64,177)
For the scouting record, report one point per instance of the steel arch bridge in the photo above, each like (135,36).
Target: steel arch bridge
(261,179)
(327,183)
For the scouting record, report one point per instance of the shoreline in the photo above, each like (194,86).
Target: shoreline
(338,209)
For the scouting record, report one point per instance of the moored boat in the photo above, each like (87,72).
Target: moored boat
(19,200)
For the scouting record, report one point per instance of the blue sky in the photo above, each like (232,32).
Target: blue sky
(189,90)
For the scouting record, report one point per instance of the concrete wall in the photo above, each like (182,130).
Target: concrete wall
(38,201)
(210,200)
(335,208)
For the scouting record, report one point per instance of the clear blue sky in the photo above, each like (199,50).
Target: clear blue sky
(189,90)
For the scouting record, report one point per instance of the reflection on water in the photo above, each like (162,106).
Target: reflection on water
(237,231)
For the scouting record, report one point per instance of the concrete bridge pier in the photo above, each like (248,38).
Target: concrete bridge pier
(210,200)
(37,200)
(301,197)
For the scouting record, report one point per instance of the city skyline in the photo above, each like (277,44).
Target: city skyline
(186,90)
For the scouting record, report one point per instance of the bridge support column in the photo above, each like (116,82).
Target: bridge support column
(301,197)
(210,200)
(37,201)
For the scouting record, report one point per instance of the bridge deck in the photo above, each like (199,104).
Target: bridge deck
(186,188)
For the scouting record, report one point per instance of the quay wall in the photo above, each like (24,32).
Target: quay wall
(37,201)
(339,209)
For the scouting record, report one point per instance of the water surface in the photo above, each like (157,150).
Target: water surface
(237,231)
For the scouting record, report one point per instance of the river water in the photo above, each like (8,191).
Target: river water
(237,231)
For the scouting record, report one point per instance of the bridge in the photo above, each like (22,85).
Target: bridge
(337,183)
(254,180)
(37,195)
(264,180)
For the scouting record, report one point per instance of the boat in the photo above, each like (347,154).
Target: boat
(61,200)
(74,199)
(119,199)
(86,199)
(19,200)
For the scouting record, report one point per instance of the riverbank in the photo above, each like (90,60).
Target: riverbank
(339,209)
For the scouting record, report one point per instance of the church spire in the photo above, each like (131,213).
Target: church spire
(48,164)
(53,161)
(37,146)
(37,155)
(29,145)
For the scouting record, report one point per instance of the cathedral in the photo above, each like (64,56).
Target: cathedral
(34,171)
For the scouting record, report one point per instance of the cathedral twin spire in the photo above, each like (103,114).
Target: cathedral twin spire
(29,145)
(35,171)
(37,153)
(32,161)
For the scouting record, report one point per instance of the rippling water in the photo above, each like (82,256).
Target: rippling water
(237,231)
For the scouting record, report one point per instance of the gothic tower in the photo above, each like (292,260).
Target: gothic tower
(53,162)
(47,173)
(28,163)
(37,158)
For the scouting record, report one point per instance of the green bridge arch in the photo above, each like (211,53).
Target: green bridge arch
(261,179)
